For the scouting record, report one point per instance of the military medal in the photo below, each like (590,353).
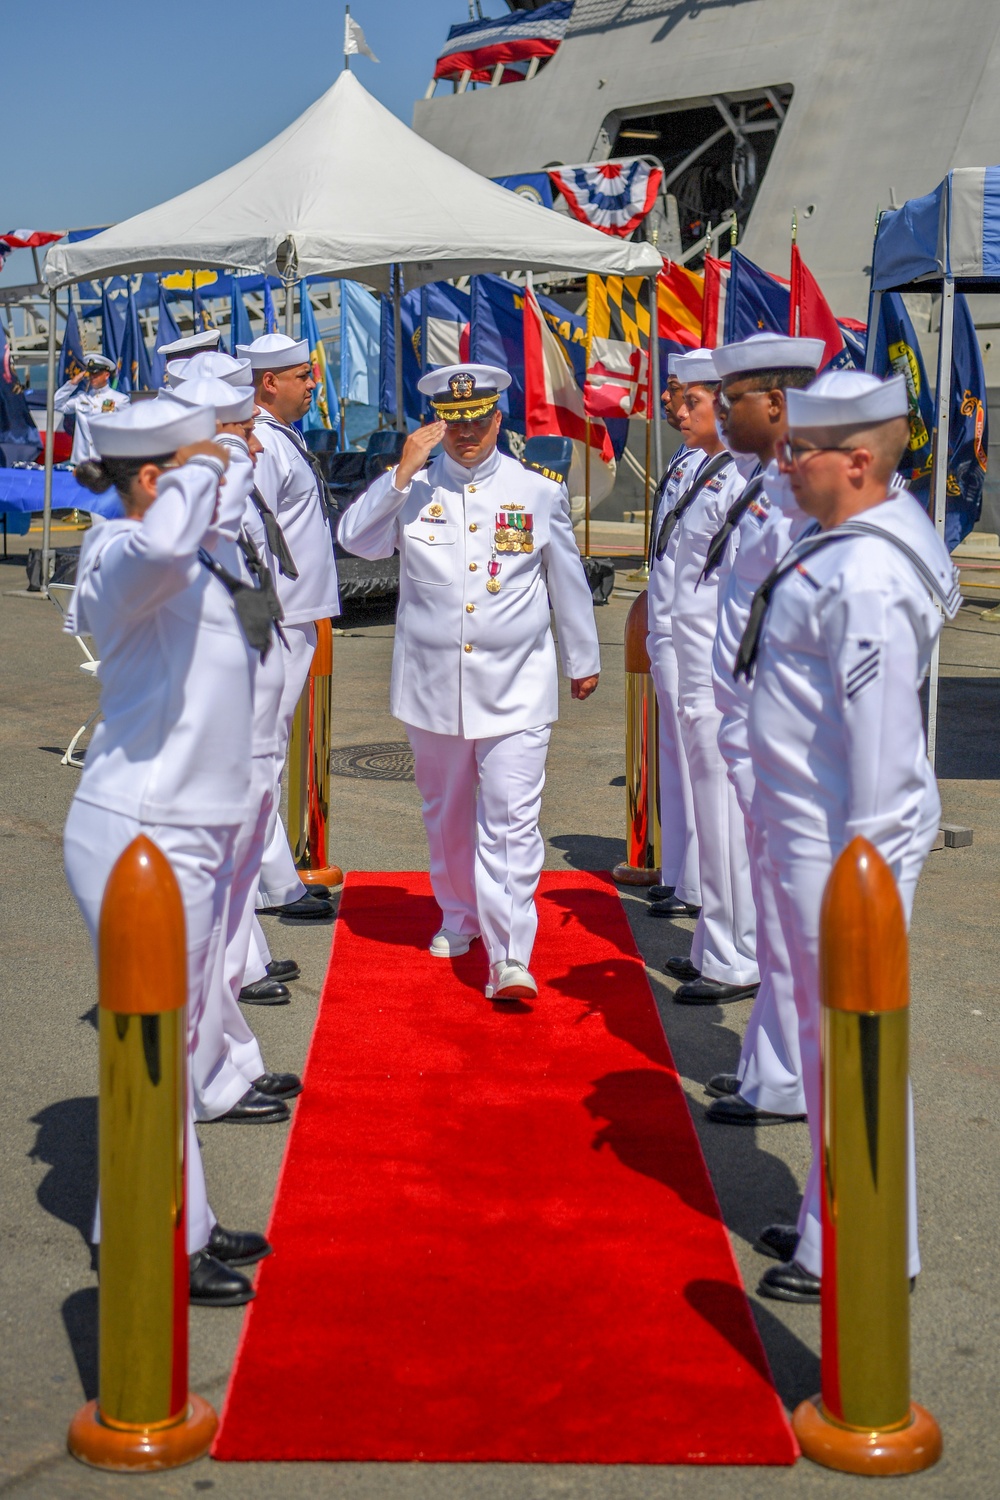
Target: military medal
(514,531)
(493,582)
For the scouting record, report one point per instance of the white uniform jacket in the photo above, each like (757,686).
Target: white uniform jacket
(83,404)
(835,729)
(467,661)
(660,589)
(174,743)
(695,610)
(290,487)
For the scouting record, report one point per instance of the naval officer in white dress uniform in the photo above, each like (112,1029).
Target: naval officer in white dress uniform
(835,727)
(97,398)
(170,757)
(484,544)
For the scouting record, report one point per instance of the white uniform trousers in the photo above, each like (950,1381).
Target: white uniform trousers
(724,944)
(769,1069)
(258,953)
(481,800)
(802,875)
(201,859)
(227,1058)
(678,837)
(279,879)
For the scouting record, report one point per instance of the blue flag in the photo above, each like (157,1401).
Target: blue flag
(133,357)
(897,352)
(270,317)
(71,360)
(112,324)
(409,310)
(240,331)
(323,407)
(167,332)
(360,326)
(967,433)
(535,186)
(756,302)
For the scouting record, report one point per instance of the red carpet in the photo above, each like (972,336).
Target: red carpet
(494,1234)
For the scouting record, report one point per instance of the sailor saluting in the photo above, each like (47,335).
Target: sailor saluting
(97,398)
(484,544)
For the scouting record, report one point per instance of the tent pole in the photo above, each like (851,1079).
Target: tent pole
(940,486)
(50,437)
(654,377)
(290,309)
(397,345)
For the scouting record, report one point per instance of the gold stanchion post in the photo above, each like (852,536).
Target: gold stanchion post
(863,1421)
(641,865)
(309,768)
(144,1416)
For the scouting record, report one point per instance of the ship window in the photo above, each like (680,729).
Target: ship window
(715,153)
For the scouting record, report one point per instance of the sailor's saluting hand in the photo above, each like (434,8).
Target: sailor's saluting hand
(416,451)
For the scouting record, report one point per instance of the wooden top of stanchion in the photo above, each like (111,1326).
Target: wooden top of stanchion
(863,953)
(142,938)
(636,630)
(322,662)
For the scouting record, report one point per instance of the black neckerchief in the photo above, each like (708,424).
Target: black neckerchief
(706,471)
(275,536)
(298,443)
(734,515)
(253,607)
(813,541)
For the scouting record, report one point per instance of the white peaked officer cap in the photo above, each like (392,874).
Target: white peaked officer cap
(150,429)
(232,403)
(210,338)
(274,351)
(211,364)
(848,398)
(768,351)
(696,368)
(99,361)
(461,393)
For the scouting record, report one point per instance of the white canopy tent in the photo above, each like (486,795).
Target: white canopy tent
(346,190)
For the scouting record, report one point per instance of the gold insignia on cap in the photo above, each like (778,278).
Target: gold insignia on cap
(462,386)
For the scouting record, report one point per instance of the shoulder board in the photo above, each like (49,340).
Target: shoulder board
(552,474)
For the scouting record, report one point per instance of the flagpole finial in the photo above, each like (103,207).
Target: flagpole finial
(734,229)
(795,226)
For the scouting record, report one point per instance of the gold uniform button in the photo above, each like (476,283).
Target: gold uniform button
(472,567)
(472,489)
(430,536)
(468,648)
(473,526)
(470,609)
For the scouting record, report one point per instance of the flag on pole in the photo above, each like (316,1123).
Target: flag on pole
(270,316)
(967,430)
(477,47)
(614,196)
(112,325)
(618,344)
(324,397)
(167,332)
(71,356)
(133,357)
(497,337)
(443,337)
(553,402)
(409,316)
(756,301)
(354,39)
(240,331)
(359,344)
(810,317)
(713,317)
(897,352)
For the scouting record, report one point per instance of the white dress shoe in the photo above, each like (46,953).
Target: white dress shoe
(448,944)
(510,980)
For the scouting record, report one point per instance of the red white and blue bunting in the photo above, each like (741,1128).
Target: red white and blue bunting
(611,195)
(475,47)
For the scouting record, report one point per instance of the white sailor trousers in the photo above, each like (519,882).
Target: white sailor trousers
(770,1068)
(481,801)
(201,859)
(279,879)
(803,867)
(724,944)
(678,836)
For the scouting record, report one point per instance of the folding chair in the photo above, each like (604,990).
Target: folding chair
(60,594)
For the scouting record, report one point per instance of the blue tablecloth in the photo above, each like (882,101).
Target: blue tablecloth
(24,490)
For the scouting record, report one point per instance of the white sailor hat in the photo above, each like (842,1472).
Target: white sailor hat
(672,366)
(768,351)
(150,429)
(461,393)
(696,368)
(274,351)
(98,362)
(232,403)
(194,343)
(848,398)
(210,364)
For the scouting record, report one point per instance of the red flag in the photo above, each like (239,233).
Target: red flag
(809,313)
(713,318)
(680,298)
(27,239)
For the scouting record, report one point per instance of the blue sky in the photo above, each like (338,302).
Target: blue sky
(117,106)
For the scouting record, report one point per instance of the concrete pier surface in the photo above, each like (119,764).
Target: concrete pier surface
(48,1301)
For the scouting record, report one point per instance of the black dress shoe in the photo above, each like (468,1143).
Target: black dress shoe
(265,992)
(278,1085)
(681,968)
(285,969)
(237,1247)
(779,1241)
(659,892)
(255,1108)
(712,992)
(789,1283)
(322,892)
(306,909)
(721,1085)
(736,1111)
(672,906)
(211,1284)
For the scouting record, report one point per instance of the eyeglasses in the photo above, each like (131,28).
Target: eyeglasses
(727,402)
(478,424)
(789,453)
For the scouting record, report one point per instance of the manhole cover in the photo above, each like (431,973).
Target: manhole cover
(390,762)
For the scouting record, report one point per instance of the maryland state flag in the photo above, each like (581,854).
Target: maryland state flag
(617,382)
